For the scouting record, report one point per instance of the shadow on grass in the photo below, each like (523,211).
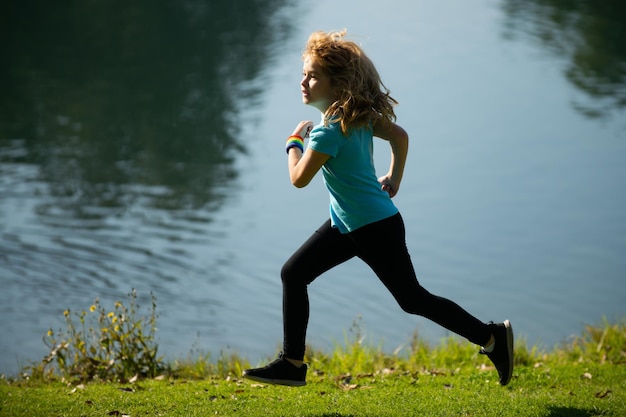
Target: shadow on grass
(330,415)
(570,412)
(553,412)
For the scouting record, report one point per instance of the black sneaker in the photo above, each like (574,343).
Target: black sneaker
(280,372)
(502,355)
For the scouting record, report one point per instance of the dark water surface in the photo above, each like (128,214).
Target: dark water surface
(141,146)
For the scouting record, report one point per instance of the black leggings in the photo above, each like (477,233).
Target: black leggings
(382,246)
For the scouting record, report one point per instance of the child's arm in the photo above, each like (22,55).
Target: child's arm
(304,166)
(399,142)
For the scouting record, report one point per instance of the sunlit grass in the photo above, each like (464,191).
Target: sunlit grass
(117,344)
(583,378)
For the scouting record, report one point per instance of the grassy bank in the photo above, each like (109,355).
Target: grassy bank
(586,377)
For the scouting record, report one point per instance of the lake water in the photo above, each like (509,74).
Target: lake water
(151,157)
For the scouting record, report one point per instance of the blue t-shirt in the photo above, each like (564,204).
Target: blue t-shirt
(356,197)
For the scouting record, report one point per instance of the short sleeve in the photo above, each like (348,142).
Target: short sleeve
(325,140)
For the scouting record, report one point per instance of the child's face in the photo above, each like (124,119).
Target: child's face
(316,86)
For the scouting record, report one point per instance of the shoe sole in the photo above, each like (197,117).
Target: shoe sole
(286,382)
(509,347)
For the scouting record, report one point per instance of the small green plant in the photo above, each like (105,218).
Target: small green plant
(605,343)
(202,366)
(355,356)
(105,344)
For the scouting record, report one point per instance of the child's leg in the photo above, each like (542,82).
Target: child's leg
(382,246)
(326,248)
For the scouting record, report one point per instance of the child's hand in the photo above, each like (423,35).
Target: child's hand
(303,129)
(389,186)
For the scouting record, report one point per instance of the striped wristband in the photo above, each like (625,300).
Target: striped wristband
(294,141)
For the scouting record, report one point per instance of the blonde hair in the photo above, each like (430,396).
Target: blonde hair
(362,98)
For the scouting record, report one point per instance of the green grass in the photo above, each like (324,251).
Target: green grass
(584,378)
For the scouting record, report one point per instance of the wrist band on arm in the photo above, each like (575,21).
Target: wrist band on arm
(294,141)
